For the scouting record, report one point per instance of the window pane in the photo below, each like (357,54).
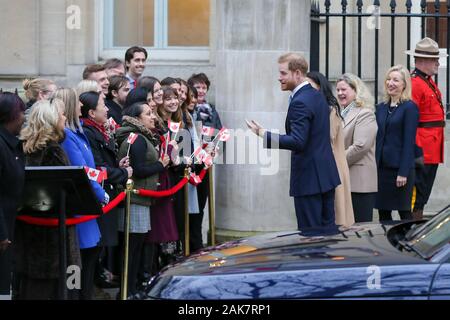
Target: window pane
(134,23)
(188,23)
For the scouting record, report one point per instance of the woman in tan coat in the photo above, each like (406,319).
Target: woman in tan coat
(360,131)
(343,201)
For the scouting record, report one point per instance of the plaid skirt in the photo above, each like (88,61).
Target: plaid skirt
(139,219)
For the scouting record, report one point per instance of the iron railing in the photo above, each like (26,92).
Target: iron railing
(319,17)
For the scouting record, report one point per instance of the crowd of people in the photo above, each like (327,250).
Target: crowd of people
(382,157)
(90,126)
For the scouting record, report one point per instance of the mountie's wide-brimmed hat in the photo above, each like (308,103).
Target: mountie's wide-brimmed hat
(426,48)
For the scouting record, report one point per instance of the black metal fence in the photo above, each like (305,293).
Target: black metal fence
(434,21)
(15,91)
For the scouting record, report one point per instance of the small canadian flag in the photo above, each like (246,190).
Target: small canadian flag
(174,126)
(132,138)
(197,151)
(94,174)
(208,160)
(103,173)
(201,155)
(112,124)
(207,131)
(196,178)
(224,134)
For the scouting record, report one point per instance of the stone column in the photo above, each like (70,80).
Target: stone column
(250,36)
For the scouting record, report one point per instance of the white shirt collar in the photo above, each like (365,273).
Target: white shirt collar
(301,85)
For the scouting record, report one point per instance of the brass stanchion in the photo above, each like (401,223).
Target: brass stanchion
(212,216)
(126,229)
(186,215)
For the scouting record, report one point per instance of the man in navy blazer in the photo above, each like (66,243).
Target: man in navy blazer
(314,175)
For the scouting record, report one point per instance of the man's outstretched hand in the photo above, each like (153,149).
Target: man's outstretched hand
(256,128)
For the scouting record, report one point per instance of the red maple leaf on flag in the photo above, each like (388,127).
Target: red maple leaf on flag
(94,174)
(196,178)
(224,134)
(174,126)
(207,131)
(132,138)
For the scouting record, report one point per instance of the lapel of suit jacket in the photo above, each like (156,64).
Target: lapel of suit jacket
(286,124)
(351,115)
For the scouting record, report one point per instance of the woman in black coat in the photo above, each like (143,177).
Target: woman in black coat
(104,149)
(397,119)
(12,179)
(37,247)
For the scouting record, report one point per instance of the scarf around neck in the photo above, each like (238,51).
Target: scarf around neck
(132,122)
(91,123)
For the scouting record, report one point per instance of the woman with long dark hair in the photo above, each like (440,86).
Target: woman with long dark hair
(343,200)
(147,162)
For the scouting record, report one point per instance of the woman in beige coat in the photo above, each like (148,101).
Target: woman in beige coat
(342,202)
(360,131)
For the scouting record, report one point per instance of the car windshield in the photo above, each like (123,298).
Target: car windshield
(432,236)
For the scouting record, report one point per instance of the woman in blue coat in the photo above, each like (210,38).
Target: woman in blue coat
(397,119)
(78,150)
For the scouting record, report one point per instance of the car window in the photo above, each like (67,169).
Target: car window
(433,237)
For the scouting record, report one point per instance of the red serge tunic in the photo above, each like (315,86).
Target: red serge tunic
(430,132)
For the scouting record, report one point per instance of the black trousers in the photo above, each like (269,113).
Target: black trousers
(363,204)
(386,215)
(196,220)
(5,271)
(316,211)
(89,259)
(424,181)
(136,241)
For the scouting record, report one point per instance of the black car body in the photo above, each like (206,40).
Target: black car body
(368,261)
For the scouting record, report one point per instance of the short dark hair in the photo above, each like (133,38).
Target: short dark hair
(147,82)
(115,83)
(131,51)
(92,68)
(199,78)
(113,63)
(136,95)
(11,106)
(134,110)
(89,101)
(170,81)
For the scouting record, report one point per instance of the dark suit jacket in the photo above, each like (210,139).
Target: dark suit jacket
(396,137)
(313,168)
(12,175)
(114,111)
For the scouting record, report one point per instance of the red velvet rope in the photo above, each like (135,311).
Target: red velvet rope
(51,222)
(164,193)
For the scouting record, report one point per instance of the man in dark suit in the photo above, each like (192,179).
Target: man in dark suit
(314,174)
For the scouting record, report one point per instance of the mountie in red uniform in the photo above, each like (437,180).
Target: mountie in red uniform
(430,131)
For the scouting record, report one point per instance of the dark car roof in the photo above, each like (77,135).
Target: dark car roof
(363,245)
(286,265)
